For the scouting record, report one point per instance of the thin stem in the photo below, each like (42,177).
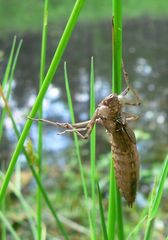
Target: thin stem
(40,126)
(112,204)
(117,83)
(115,207)
(93,151)
(84,185)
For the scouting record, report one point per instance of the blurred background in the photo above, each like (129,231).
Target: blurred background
(145,51)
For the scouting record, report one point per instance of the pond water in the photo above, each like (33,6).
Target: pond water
(145,55)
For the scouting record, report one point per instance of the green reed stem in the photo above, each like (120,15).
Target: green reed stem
(11,77)
(115,207)
(40,125)
(4,82)
(93,151)
(5,79)
(76,141)
(102,218)
(9,64)
(155,200)
(49,76)
(9,227)
(112,204)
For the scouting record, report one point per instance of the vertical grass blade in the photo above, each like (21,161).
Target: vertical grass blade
(49,76)
(9,227)
(134,232)
(93,151)
(159,191)
(112,204)
(10,68)
(155,201)
(40,126)
(102,214)
(4,81)
(115,208)
(117,46)
(9,64)
(70,104)
(27,209)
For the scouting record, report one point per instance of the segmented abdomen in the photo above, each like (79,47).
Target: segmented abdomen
(126,164)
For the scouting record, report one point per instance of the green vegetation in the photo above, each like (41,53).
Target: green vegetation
(40,126)
(21,16)
(115,207)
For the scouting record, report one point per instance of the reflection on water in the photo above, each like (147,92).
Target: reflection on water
(145,55)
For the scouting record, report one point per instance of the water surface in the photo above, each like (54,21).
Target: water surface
(145,55)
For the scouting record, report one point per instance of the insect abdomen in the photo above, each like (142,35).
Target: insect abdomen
(126,164)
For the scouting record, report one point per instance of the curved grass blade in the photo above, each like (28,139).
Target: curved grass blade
(40,125)
(9,227)
(112,203)
(9,64)
(115,207)
(52,69)
(36,176)
(155,201)
(70,104)
(93,150)
(102,214)
(133,234)
(27,209)
(10,68)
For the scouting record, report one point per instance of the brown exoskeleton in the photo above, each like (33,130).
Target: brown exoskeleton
(109,114)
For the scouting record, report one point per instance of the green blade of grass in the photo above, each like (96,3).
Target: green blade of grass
(9,64)
(10,68)
(93,150)
(102,214)
(133,233)
(40,125)
(112,203)
(35,174)
(27,209)
(155,201)
(159,193)
(5,79)
(117,46)
(49,76)
(70,104)
(11,78)
(9,227)
(115,207)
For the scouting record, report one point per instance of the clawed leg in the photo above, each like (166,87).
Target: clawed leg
(137,101)
(77,127)
(130,116)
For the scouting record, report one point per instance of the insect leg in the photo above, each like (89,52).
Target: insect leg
(77,127)
(91,123)
(130,116)
(125,91)
(130,88)
(81,127)
(76,130)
